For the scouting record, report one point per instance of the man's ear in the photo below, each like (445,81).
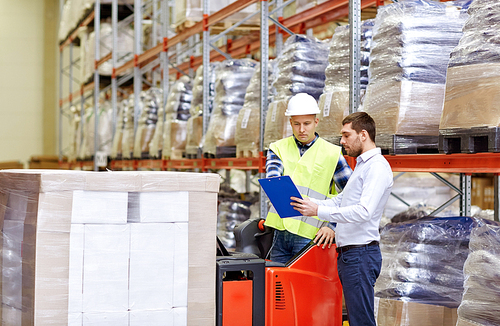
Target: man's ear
(364,135)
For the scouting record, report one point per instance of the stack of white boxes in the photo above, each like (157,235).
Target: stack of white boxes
(119,248)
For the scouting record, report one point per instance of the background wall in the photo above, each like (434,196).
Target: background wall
(28,78)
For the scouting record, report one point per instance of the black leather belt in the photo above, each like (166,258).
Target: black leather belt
(345,248)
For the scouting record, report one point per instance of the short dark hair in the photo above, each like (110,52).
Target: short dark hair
(361,121)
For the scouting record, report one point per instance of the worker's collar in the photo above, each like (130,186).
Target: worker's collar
(308,144)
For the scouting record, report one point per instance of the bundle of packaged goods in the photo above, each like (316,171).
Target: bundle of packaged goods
(74,12)
(231,213)
(300,69)
(247,136)
(124,49)
(422,262)
(105,132)
(116,150)
(127,143)
(472,84)
(93,248)
(176,116)
(334,102)
(195,122)
(479,305)
(412,42)
(147,122)
(231,81)
(74,134)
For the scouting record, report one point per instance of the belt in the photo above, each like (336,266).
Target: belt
(345,248)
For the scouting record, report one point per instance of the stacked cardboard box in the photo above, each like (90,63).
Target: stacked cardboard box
(120,248)
(483,193)
(390,312)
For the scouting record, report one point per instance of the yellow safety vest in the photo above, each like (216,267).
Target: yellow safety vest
(312,174)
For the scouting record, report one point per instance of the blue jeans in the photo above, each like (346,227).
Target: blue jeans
(358,270)
(286,245)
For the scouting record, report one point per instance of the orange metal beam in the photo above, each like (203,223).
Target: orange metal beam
(452,163)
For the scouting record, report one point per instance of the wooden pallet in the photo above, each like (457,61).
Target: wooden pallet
(405,144)
(472,140)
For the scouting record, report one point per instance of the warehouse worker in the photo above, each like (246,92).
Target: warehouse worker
(315,166)
(357,212)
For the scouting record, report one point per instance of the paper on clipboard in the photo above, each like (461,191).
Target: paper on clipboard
(279,190)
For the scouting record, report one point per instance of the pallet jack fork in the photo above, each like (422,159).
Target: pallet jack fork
(251,291)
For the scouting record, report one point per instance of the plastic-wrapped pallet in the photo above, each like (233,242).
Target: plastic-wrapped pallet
(247,136)
(116,150)
(231,214)
(195,122)
(482,278)
(334,102)
(412,42)
(74,133)
(128,126)
(105,132)
(300,69)
(177,114)
(231,81)
(125,49)
(147,123)
(472,84)
(423,260)
(97,248)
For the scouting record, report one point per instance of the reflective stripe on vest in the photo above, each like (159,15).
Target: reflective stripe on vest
(314,169)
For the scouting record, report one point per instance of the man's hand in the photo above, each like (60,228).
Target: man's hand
(325,236)
(305,206)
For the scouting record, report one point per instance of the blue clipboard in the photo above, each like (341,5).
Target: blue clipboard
(279,190)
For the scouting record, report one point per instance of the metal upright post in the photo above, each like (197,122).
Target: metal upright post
(97,56)
(70,74)
(279,37)
(465,182)
(264,92)
(206,64)
(154,27)
(354,43)
(496,181)
(164,60)
(137,52)
(114,54)
(60,102)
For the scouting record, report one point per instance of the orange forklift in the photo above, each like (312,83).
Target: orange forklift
(252,291)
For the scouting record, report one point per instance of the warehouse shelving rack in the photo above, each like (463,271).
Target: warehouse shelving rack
(464,164)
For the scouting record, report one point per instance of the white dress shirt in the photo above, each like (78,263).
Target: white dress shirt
(358,208)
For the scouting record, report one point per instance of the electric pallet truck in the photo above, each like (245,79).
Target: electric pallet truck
(252,291)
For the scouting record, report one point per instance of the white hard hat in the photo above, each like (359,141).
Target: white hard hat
(302,104)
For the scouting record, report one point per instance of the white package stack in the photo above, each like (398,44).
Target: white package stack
(152,318)
(151,266)
(105,271)
(156,207)
(99,207)
(75,304)
(180,265)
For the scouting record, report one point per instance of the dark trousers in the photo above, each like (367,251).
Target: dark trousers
(286,245)
(358,270)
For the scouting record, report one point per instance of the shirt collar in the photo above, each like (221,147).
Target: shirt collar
(309,144)
(368,154)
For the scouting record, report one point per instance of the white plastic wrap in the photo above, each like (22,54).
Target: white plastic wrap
(334,102)
(412,41)
(125,49)
(232,79)
(105,132)
(247,137)
(300,69)
(73,252)
(422,260)
(177,112)
(128,126)
(147,124)
(116,150)
(195,122)
(482,278)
